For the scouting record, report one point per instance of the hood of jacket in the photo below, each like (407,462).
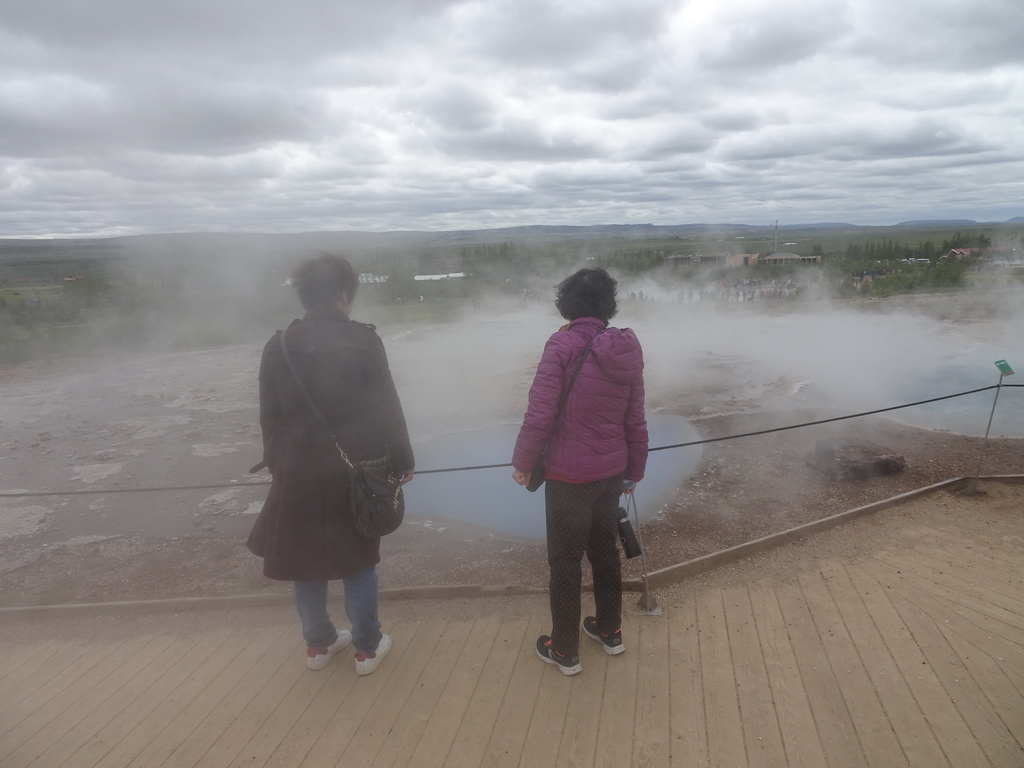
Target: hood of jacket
(616,351)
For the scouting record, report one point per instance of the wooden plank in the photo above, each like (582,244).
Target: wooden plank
(956,618)
(250,688)
(1000,537)
(991,734)
(262,600)
(230,664)
(836,731)
(978,611)
(354,738)
(316,716)
(54,735)
(873,726)
(689,735)
(615,728)
(578,747)
(290,709)
(721,705)
(946,722)
(119,715)
(955,576)
(653,728)
(544,733)
(339,707)
(977,548)
(757,710)
(455,591)
(1006,701)
(15,656)
(792,706)
(512,725)
(415,712)
(1000,532)
(33,706)
(908,721)
(477,727)
(257,712)
(439,733)
(65,658)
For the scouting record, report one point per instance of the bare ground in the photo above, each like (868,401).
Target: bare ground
(94,548)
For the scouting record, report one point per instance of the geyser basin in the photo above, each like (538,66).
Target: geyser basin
(490,498)
(970,368)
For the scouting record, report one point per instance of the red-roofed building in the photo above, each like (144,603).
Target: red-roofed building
(962,253)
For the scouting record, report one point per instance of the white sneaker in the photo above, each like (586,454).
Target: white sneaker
(317,658)
(368,662)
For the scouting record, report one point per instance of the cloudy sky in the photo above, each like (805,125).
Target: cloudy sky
(125,117)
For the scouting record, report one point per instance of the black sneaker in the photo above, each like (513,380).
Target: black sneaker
(612,643)
(569,665)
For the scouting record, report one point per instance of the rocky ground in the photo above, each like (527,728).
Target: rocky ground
(189,419)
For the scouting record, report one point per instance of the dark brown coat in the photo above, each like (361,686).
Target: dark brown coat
(305,531)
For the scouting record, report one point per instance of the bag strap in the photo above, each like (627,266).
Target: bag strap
(312,405)
(579,366)
(565,395)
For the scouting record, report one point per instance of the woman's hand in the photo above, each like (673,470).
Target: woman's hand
(628,486)
(406,477)
(523,478)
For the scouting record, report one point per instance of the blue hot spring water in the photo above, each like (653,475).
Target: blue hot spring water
(966,369)
(490,498)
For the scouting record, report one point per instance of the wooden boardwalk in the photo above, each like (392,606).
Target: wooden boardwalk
(897,643)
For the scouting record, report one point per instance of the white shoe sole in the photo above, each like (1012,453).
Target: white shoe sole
(611,651)
(319,662)
(564,670)
(369,665)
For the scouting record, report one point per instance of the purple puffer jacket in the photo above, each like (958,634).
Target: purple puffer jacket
(602,430)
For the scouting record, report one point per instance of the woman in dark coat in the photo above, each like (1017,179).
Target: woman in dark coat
(305,532)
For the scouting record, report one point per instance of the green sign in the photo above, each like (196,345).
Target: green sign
(1004,368)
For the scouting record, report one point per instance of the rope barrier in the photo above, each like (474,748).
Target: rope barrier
(236,484)
(827,421)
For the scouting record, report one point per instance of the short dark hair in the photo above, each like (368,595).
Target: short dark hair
(320,282)
(588,293)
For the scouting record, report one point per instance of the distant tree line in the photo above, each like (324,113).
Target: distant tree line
(894,250)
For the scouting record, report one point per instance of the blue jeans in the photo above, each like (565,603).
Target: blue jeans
(360,606)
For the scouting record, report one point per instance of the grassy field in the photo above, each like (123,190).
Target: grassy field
(178,292)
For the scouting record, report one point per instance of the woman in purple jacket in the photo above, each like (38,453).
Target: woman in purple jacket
(597,451)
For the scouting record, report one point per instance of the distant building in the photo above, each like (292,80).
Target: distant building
(790,258)
(725,260)
(447,276)
(962,253)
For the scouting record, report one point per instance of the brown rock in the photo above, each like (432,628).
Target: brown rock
(854,459)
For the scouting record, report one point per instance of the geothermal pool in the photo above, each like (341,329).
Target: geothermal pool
(491,499)
(970,367)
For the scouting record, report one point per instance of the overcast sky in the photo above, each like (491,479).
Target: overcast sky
(126,116)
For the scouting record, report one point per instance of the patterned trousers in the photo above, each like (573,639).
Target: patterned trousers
(583,519)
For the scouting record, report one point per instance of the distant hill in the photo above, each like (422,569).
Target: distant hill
(197,246)
(939,223)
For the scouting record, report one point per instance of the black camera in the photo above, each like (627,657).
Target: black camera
(630,544)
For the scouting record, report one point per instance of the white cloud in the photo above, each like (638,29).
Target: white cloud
(264,116)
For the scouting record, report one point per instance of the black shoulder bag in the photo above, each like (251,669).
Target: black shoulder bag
(537,475)
(376,498)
